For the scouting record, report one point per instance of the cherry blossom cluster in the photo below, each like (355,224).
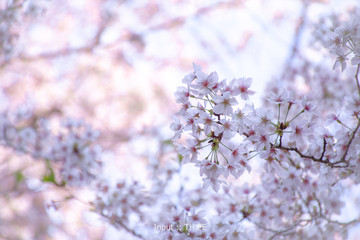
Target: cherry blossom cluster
(10,18)
(123,205)
(127,206)
(345,42)
(70,149)
(191,218)
(209,116)
(302,152)
(308,149)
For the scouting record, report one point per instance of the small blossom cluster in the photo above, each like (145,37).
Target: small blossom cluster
(71,148)
(191,218)
(8,37)
(11,17)
(345,41)
(121,202)
(80,160)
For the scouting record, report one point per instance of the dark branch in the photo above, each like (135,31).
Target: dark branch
(294,149)
(321,158)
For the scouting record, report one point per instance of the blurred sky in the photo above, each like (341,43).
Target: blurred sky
(159,40)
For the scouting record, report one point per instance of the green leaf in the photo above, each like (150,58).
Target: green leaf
(180,157)
(168,142)
(50,177)
(19,177)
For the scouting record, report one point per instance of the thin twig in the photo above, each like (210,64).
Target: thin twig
(357,78)
(122,225)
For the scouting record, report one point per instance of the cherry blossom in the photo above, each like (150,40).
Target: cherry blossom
(241,87)
(223,104)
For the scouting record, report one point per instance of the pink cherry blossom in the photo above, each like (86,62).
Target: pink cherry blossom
(224,103)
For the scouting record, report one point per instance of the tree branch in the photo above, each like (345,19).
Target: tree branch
(294,149)
(321,158)
(357,78)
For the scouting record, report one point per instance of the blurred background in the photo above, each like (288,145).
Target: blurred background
(116,64)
